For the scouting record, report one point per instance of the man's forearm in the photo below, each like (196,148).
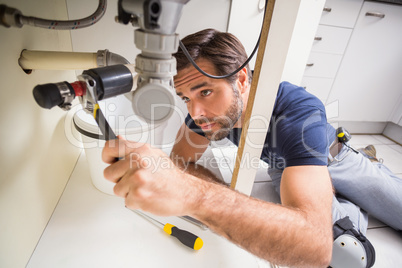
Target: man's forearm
(190,167)
(200,172)
(282,235)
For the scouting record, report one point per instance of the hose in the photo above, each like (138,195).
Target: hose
(13,17)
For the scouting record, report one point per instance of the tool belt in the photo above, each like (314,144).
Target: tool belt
(335,148)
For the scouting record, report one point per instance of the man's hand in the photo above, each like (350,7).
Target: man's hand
(148,179)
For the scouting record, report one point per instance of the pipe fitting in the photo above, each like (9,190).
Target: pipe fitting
(107,58)
(10,17)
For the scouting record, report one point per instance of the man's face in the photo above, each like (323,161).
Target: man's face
(214,104)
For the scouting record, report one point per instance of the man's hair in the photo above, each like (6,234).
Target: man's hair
(222,49)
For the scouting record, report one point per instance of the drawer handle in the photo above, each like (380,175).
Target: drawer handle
(375,14)
(310,64)
(327,9)
(317,38)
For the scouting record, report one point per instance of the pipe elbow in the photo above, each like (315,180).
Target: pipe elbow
(107,58)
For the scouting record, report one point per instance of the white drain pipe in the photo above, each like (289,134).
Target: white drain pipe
(52,60)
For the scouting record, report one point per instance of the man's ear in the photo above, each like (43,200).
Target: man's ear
(242,80)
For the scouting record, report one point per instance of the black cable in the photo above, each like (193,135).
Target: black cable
(188,56)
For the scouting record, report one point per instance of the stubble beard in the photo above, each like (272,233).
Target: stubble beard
(225,122)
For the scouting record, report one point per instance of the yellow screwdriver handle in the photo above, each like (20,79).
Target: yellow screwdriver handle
(187,238)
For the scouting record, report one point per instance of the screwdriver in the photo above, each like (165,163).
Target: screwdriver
(185,237)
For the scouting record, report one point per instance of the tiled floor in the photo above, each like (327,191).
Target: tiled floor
(387,242)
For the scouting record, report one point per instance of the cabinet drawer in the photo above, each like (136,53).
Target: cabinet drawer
(322,65)
(342,13)
(371,66)
(317,86)
(329,39)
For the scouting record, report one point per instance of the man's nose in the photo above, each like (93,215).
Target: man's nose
(197,110)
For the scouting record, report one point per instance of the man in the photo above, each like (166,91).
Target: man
(296,233)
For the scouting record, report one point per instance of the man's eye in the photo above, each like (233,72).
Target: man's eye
(185,99)
(205,92)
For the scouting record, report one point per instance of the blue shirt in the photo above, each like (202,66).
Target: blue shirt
(298,133)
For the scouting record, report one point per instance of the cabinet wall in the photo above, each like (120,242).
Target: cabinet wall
(36,157)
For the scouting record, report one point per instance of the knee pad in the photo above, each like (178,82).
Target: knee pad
(350,248)
(348,251)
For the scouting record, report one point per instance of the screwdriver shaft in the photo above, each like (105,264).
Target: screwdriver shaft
(148,217)
(185,237)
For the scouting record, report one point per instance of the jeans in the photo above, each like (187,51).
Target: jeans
(361,187)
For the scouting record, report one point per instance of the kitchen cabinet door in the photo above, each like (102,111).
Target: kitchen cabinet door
(341,13)
(330,39)
(369,80)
